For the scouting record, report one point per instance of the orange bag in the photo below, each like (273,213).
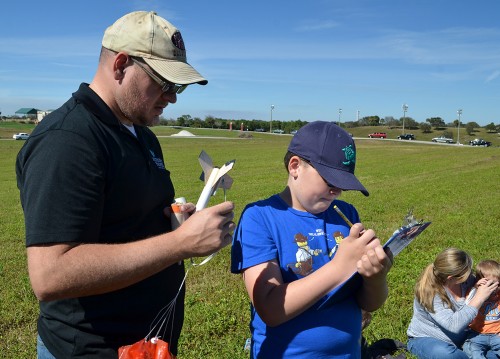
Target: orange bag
(144,349)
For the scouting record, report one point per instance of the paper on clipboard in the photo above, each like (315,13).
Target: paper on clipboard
(399,240)
(402,237)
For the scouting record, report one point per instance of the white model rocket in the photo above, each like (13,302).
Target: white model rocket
(214,178)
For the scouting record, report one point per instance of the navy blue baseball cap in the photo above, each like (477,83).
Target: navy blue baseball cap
(331,151)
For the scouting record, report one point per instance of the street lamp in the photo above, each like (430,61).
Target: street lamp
(405,108)
(459,112)
(271,122)
(340,113)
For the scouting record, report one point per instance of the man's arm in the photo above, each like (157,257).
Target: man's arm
(68,270)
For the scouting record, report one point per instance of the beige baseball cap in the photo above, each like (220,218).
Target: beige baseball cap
(145,34)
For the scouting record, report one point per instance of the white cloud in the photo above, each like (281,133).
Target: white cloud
(493,76)
(317,25)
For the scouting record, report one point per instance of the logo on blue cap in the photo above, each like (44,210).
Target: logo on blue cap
(350,155)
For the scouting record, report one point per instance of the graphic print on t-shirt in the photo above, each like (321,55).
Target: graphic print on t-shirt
(338,236)
(304,256)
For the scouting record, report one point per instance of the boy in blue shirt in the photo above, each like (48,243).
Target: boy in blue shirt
(294,251)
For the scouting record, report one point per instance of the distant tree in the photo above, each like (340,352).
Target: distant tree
(391,122)
(425,127)
(448,134)
(350,124)
(370,121)
(184,121)
(474,124)
(491,127)
(362,122)
(409,122)
(469,128)
(181,121)
(209,121)
(197,123)
(436,122)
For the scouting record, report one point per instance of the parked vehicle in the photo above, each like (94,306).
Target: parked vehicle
(293,132)
(20,136)
(278,131)
(406,136)
(479,142)
(259,130)
(442,139)
(378,135)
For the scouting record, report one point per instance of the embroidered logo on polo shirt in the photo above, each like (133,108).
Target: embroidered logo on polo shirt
(158,161)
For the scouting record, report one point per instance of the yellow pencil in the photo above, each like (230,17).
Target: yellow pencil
(342,215)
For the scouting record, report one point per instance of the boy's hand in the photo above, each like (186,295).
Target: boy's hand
(375,264)
(486,288)
(372,263)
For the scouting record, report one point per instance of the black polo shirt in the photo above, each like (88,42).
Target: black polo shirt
(85,178)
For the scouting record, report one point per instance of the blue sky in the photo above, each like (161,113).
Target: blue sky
(307,58)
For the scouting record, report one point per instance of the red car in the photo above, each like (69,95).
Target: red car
(378,135)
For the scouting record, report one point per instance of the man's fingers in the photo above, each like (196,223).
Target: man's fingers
(224,207)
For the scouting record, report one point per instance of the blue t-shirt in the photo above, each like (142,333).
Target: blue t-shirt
(301,242)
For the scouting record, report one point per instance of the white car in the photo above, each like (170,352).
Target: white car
(20,136)
(442,139)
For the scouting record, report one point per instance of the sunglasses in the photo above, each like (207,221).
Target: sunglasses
(166,86)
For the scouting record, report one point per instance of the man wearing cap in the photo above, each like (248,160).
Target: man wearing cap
(298,313)
(102,257)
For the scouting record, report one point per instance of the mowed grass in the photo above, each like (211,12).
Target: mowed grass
(455,187)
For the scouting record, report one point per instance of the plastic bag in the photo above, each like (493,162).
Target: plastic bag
(144,349)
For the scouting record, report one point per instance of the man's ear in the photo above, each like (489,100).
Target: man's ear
(119,65)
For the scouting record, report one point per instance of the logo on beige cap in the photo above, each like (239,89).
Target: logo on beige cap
(177,41)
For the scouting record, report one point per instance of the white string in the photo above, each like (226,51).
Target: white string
(163,317)
(165,313)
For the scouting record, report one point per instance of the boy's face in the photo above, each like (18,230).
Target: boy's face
(309,190)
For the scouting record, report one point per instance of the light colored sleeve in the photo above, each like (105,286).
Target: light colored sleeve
(454,322)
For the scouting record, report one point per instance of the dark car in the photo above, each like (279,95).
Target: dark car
(406,136)
(479,142)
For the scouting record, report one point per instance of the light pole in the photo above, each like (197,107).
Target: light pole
(459,112)
(340,113)
(271,122)
(405,108)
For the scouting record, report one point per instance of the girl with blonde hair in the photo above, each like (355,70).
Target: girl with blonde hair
(441,315)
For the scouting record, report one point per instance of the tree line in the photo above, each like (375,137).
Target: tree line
(288,126)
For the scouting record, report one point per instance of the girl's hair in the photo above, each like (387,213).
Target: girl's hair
(451,262)
(488,268)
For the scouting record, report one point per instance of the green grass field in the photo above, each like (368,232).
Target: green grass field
(455,187)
